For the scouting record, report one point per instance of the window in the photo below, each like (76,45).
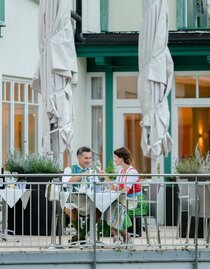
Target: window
(127,118)
(127,87)
(20,106)
(193,113)
(193,14)
(97,116)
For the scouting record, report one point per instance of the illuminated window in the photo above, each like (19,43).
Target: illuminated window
(193,113)
(185,87)
(20,105)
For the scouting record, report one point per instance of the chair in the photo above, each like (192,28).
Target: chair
(151,191)
(204,208)
(186,197)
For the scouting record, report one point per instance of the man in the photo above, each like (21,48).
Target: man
(84,156)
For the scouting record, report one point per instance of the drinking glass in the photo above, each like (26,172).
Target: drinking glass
(14,178)
(8,180)
(98,166)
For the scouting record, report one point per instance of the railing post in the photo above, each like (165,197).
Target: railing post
(94,224)
(196,223)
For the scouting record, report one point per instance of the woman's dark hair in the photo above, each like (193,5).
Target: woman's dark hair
(83,149)
(125,154)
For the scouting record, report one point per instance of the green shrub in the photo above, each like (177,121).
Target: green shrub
(31,164)
(110,169)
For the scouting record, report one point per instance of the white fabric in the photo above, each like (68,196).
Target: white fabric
(155,79)
(67,171)
(133,178)
(52,192)
(12,195)
(103,200)
(56,71)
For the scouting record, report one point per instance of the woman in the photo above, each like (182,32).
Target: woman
(116,216)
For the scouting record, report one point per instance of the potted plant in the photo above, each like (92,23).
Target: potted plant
(195,164)
(31,164)
(39,208)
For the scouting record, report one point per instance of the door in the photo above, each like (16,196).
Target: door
(128,133)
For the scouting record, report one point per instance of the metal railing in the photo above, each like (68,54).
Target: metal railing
(171,212)
(193,14)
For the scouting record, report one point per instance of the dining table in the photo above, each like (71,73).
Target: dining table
(84,201)
(10,196)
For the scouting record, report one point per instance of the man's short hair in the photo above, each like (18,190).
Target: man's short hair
(83,149)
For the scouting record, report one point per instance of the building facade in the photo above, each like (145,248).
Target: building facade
(106,97)
(109,59)
(20,112)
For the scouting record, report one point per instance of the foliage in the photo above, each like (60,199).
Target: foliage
(15,162)
(193,164)
(188,165)
(205,164)
(110,169)
(32,164)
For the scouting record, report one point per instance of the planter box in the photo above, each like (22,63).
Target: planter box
(37,217)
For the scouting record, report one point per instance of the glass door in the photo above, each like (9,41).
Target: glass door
(128,133)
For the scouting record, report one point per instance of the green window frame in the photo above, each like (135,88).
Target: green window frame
(2,13)
(193,14)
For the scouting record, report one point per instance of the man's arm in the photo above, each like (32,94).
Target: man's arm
(67,179)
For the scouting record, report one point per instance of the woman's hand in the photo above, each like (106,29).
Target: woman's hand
(103,172)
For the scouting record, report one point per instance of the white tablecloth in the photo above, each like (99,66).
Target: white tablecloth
(12,195)
(103,199)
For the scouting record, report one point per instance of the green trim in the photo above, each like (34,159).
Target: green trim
(2,13)
(104,12)
(167,160)
(109,115)
(106,51)
(132,50)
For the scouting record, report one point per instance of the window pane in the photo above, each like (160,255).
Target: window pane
(32,127)
(204,87)
(19,127)
(5,130)
(36,97)
(127,87)
(97,133)
(22,92)
(194,127)
(3,95)
(96,88)
(16,92)
(132,136)
(8,86)
(185,87)
(29,94)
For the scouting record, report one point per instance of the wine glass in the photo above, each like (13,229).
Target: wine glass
(98,166)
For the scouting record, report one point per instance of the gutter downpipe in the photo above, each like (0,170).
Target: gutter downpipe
(77,16)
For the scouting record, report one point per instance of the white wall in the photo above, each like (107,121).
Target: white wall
(81,128)
(91,16)
(124,16)
(19,45)
(172,14)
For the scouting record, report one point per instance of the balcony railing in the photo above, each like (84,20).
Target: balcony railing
(193,14)
(32,213)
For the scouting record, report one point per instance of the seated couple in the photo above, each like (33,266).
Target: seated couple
(116,215)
